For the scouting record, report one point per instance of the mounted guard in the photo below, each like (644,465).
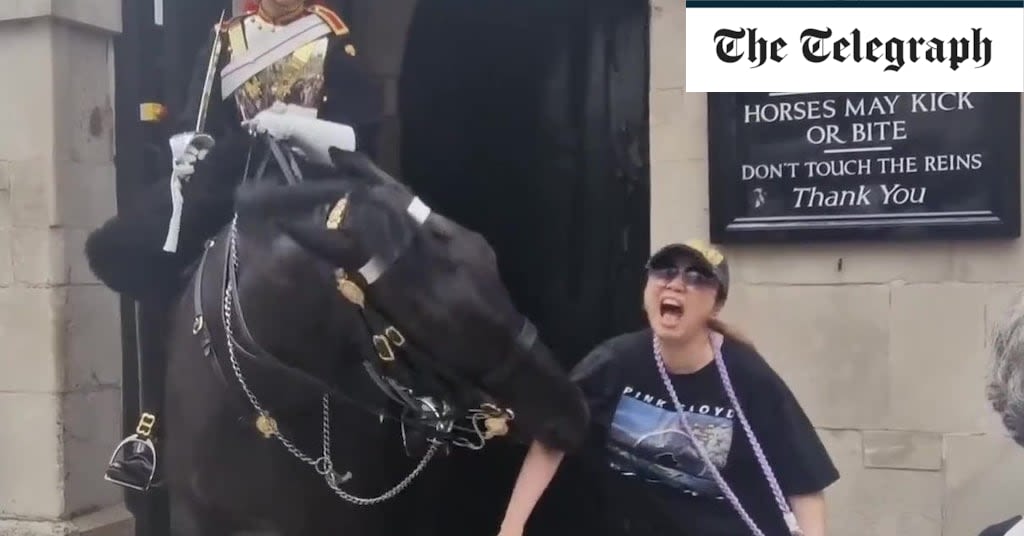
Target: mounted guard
(273,90)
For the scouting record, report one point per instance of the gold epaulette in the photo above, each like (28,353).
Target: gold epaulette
(233,31)
(332,19)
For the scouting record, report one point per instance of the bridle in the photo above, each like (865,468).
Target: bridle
(418,382)
(426,392)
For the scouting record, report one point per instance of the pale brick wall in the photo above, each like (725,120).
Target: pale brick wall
(60,364)
(887,354)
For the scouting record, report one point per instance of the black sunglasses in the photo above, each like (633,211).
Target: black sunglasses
(693,276)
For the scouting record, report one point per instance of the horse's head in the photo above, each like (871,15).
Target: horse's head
(433,280)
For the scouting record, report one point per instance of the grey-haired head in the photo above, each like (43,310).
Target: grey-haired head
(1006,375)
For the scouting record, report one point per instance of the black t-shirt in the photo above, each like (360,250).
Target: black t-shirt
(657,484)
(1003,529)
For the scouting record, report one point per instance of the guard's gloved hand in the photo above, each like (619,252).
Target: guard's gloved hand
(184,167)
(190,148)
(311,136)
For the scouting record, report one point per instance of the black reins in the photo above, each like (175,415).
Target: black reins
(428,393)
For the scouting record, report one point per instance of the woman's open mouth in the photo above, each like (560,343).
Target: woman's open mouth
(671,310)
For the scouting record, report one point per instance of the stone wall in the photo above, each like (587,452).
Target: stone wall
(886,350)
(60,395)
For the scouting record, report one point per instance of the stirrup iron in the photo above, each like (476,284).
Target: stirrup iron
(133,463)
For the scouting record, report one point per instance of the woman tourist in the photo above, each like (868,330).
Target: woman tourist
(757,466)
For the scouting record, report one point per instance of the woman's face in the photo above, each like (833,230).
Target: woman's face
(680,297)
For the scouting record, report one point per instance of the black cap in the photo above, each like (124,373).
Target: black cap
(712,259)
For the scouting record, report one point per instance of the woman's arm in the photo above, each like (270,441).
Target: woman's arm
(539,467)
(810,513)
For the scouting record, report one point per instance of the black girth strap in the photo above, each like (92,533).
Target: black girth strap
(200,323)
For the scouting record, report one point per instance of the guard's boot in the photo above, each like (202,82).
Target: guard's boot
(134,462)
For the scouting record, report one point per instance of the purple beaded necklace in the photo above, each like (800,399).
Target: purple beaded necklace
(787,513)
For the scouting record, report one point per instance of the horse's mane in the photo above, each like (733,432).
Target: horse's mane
(259,200)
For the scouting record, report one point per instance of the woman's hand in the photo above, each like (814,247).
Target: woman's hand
(810,513)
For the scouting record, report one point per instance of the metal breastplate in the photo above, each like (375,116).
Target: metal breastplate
(296,79)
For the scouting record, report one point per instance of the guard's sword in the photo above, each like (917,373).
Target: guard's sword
(211,71)
(198,138)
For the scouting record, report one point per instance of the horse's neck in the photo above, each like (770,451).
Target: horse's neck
(291,311)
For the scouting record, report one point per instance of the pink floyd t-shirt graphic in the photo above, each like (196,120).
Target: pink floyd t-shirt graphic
(646,439)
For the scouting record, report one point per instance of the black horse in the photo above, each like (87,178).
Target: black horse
(334,337)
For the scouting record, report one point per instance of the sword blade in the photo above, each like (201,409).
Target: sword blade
(211,71)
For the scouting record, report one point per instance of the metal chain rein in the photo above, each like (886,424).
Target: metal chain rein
(322,465)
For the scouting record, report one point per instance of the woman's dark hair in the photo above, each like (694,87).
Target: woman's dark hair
(730,332)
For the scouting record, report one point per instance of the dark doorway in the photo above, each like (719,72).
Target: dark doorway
(527,121)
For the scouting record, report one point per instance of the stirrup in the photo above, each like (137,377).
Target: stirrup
(133,464)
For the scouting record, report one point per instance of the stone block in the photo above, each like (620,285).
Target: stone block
(26,54)
(879,502)
(936,359)
(999,298)
(815,264)
(33,203)
(844,447)
(6,262)
(76,263)
(679,203)
(5,176)
(6,219)
(83,105)
(113,521)
(984,479)
(38,255)
(829,343)
(86,193)
(103,14)
(989,261)
(902,450)
(92,339)
(888,502)
(678,125)
(30,459)
(28,320)
(92,428)
(668,44)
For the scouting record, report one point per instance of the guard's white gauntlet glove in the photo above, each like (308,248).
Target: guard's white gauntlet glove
(311,136)
(184,166)
(186,149)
